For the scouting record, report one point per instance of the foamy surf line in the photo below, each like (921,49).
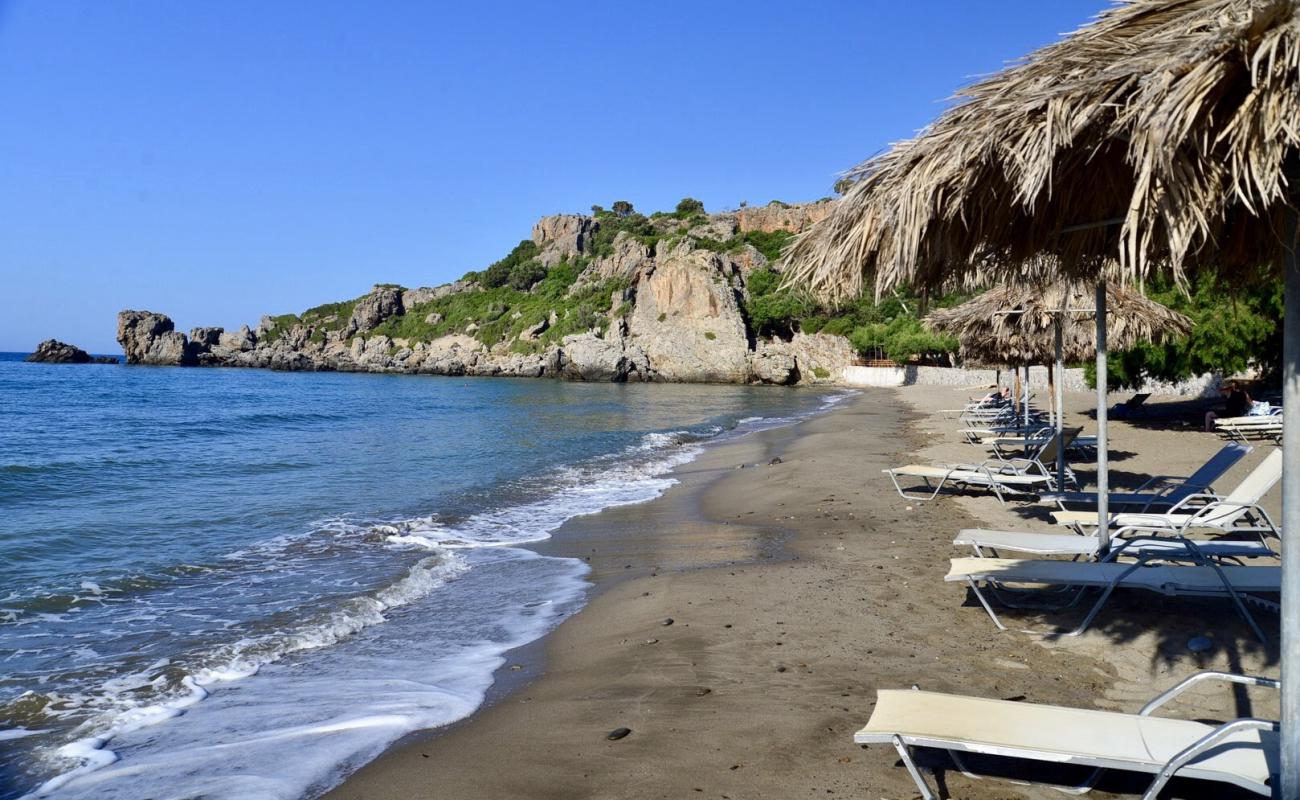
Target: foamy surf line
(199,731)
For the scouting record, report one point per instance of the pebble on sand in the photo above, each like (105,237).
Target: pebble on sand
(617,733)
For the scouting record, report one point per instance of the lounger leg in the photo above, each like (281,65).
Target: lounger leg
(976,589)
(1241,607)
(1101,601)
(907,496)
(905,753)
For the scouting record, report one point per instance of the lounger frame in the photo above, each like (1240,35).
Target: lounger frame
(905,746)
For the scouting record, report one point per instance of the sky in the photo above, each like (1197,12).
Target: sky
(220,161)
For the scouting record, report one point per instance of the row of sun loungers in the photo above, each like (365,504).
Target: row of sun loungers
(1173,536)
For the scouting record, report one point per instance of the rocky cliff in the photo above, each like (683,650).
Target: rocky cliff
(607,297)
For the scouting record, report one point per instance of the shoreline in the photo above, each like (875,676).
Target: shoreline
(615,664)
(612,566)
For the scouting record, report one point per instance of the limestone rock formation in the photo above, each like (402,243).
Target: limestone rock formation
(782,217)
(588,357)
(149,338)
(818,358)
(628,260)
(563,236)
(687,318)
(382,302)
(52,351)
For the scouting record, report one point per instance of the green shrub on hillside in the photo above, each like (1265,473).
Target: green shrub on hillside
(769,244)
(688,207)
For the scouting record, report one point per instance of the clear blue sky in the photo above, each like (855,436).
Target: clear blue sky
(220,160)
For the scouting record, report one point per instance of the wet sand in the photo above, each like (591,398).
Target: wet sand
(795,590)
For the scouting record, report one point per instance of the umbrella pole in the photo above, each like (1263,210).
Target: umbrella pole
(1059,391)
(1290,734)
(1103,440)
(1026,404)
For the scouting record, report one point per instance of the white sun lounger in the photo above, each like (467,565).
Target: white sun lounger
(1238,509)
(1241,753)
(1001,481)
(1014,476)
(1160,490)
(1262,427)
(987,543)
(1199,580)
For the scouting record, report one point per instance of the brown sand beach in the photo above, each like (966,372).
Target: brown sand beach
(742,622)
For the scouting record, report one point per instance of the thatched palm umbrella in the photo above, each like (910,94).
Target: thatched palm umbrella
(1022,325)
(1016,325)
(1163,136)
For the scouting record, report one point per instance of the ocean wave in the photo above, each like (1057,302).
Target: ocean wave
(162,691)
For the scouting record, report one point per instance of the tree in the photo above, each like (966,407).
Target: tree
(1234,327)
(622,208)
(688,206)
(524,274)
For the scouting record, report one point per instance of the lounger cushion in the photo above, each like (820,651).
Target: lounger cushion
(1066,544)
(1121,520)
(1066,735)
(1166,578)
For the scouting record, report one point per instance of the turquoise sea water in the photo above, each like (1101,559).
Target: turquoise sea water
(243,584)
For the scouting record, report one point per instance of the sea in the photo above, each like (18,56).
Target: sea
(228,583)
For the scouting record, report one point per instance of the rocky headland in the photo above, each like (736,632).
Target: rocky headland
(611,296)
(52,351)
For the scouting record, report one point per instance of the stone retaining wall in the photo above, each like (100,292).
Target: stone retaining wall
(1201,386)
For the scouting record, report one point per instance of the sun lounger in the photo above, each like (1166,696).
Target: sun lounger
(1160,490)
(1240,509)
(1264,426)
(1196,580)
(989,543)
(1003,477)
(989,477)
(1007,444)
(1241,753)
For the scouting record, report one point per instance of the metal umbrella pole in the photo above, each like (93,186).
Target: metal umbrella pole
(1290,534)
(1103,439)
(1059,391)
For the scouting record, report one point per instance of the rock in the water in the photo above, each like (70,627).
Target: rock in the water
(149,338)
(206,337)
(52,351)
(776,366)
(587,357)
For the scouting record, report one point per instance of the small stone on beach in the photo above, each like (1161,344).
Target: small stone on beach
(776,460)
(617,733)
(667,621)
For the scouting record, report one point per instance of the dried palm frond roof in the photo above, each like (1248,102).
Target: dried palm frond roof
(990,335)
(1158,136)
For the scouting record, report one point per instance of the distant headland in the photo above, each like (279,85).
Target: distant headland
(616,295)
